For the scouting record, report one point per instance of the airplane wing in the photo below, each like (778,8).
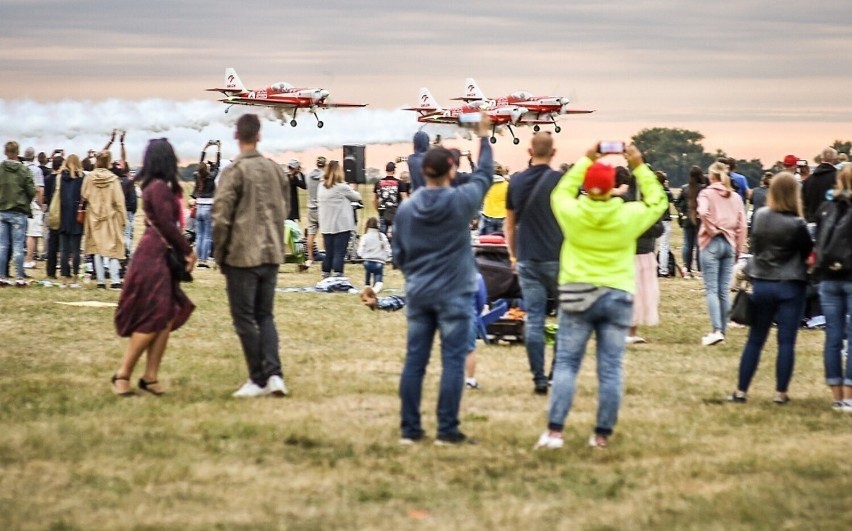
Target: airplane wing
(224,91)
(577,111)
(333,105)
(259,103)
(430,119)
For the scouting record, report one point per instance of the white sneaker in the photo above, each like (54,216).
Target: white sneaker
(250,390)
(471,383)
(635,340)
(29,265)
(275,386)
(712,338)
(548,441)
(846,406)
(377,287)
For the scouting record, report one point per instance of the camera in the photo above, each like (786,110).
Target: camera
(401,159)
(611,148)
(801,163)
(465,153)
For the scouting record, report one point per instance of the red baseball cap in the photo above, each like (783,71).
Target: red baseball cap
(600,179)
(790,160)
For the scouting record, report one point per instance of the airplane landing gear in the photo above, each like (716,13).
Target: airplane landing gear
(293,123)
(557,129)
(320,124)
(536,128)
(515,140)
(228,109)
(493,139)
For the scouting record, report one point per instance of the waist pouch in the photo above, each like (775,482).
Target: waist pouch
(577,297)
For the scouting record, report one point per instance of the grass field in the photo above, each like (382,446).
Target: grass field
(73,456)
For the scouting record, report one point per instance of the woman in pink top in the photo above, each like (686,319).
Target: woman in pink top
(721,238)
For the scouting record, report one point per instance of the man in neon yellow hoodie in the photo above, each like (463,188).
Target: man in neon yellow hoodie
(596,277)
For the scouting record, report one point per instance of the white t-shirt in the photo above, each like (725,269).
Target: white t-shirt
(38,176)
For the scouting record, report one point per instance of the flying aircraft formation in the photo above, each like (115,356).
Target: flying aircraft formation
(280,97)
(519,108)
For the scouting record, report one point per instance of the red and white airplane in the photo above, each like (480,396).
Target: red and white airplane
(542,109)
(281,97)
(432,113)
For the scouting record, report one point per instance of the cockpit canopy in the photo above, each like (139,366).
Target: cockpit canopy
(522,94)
(281,86)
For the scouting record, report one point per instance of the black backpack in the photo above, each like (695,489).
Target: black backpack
(834,241)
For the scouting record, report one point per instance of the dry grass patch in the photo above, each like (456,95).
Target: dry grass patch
(72,456)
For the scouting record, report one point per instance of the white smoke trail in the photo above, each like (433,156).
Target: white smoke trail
(77,126)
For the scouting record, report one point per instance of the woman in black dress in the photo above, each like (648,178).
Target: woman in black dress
(152,303)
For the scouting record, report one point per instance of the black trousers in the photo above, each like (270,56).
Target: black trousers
(52,251)
(251,295)
(70,244)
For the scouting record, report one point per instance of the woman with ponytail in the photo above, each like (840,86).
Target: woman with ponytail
(721,238)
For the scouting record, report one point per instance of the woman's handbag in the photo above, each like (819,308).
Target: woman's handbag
(81,211)
(175,261)
(742,310)
(54,218)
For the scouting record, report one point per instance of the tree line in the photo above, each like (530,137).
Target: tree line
(674,151)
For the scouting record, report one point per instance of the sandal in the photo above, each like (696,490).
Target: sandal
(146,386)
(115,378)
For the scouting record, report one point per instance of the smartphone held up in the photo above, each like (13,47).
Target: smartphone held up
(611,148)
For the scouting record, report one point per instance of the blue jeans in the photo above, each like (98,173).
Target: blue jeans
(717,262)
(14,224)
(783,302)
(373,270)
(539,281)
(489,225)
(609,317)
(835,297)
(203,231)
(690,234)
(452,316)
(128,233)
(335,252)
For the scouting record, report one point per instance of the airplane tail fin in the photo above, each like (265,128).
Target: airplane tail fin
(472,92)
(426,102)
(232,80)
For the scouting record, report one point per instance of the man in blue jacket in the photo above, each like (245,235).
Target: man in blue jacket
(432,247)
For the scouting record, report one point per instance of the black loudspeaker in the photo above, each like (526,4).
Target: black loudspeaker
(353,164)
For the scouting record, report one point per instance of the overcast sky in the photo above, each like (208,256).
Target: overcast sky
(758,78)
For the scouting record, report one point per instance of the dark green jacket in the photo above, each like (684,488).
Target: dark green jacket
(17,188)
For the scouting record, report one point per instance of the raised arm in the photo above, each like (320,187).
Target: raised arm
(123,151)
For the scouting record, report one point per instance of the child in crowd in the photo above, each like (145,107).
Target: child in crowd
(387,304)
(397,302)
(479,298)
(375,249)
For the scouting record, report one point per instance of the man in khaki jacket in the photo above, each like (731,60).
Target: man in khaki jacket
(250,207)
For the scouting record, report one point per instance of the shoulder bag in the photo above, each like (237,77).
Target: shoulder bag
(742,310)
(175,261)
(54,215)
